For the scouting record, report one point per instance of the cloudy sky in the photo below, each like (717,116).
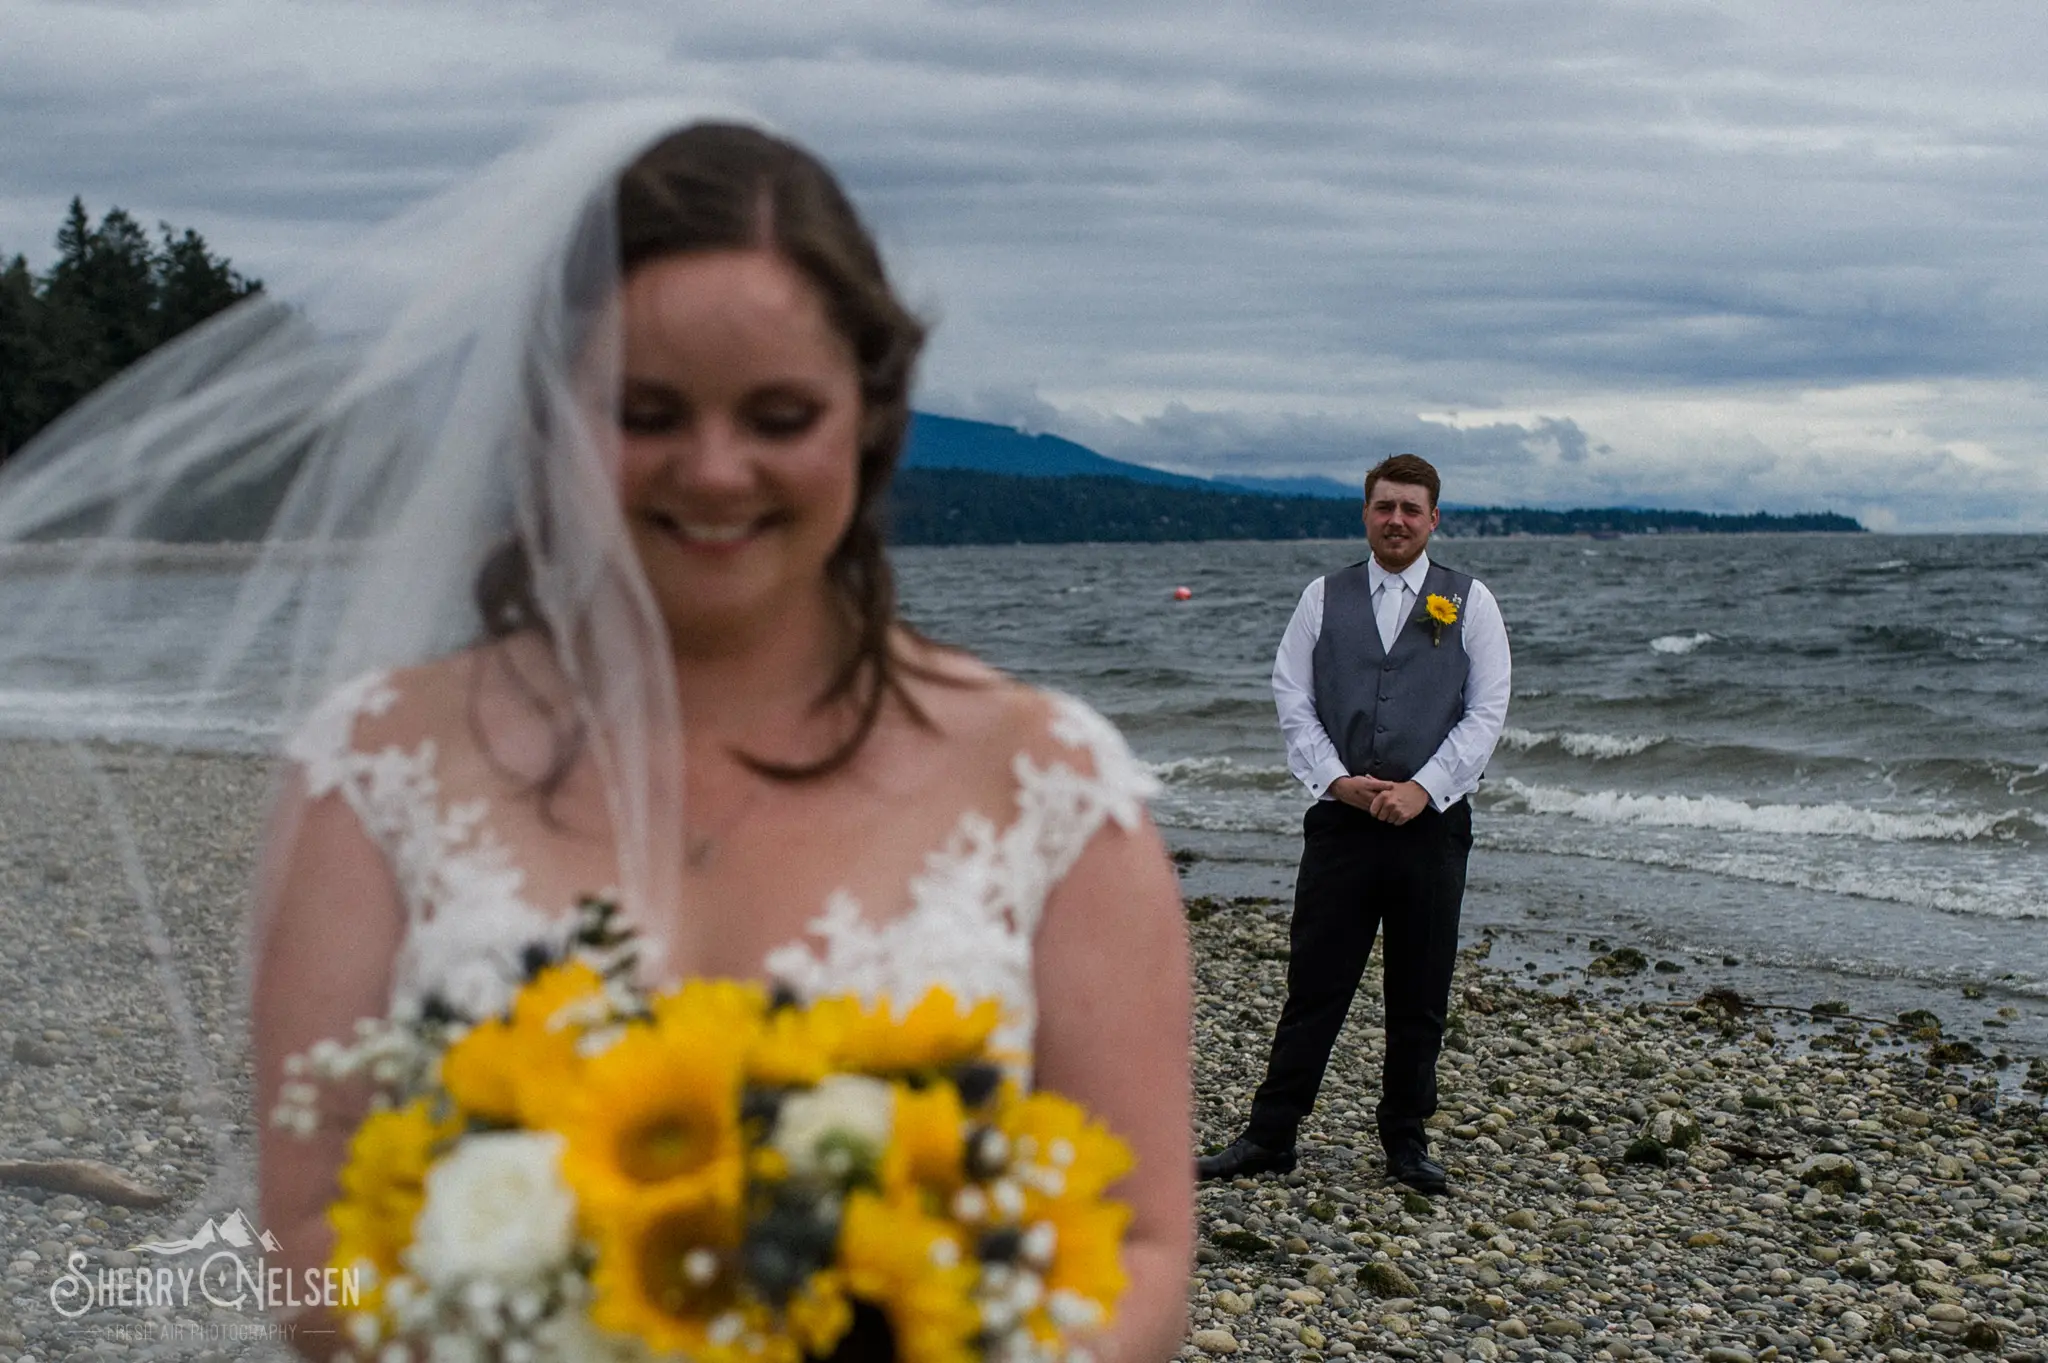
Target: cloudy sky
(1730,255)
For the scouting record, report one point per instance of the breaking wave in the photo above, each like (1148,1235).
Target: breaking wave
(1721,814)
(1598,747)
(1679,644)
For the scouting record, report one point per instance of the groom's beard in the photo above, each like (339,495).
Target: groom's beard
(1396,554)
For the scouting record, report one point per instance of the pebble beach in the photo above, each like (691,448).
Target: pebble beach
(123,880)
(1632,1177)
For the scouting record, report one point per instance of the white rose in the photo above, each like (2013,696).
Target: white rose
(496,1207)
(846,1117)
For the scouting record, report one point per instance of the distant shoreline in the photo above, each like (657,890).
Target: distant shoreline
(973,506)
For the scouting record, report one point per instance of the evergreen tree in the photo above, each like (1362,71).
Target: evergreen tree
(74,238)
(20,355)
(106,278)
(192,283)
(111,297)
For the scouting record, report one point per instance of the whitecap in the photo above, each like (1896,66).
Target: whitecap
(1679,643)
(2018,779)
(1174,766)
(1604,747)
(1722,814)
(1203,817)
(1219,772)
(1597,747)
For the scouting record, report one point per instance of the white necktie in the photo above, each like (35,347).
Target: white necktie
(1393,610)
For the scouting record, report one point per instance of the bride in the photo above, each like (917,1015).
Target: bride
(574,484)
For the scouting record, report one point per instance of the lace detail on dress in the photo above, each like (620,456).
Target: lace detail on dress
(322,744)
(469,922)
(976,905)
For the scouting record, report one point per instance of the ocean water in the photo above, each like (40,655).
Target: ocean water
(1806,767)
(1810,767)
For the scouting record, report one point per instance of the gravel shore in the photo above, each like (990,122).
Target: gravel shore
(1630,1178)
(123,876)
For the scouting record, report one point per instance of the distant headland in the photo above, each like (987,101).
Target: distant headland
(974,482)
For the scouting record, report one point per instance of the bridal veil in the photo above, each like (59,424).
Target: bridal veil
(300,491)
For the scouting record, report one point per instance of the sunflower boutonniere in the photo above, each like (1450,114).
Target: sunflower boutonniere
(1442,610)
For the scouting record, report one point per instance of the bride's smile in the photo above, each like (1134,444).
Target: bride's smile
(739,420)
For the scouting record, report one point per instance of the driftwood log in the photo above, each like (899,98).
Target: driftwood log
(86,1178)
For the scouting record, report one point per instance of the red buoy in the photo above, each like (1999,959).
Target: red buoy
(1183,593)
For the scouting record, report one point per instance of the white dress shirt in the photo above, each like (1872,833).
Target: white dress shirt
(1453,772)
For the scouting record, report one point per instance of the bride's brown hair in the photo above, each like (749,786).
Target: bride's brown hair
(722,187)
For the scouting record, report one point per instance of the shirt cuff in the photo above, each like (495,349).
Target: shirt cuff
(1326,774)
(1434,779)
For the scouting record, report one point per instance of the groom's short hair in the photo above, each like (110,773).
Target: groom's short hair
(1405,468)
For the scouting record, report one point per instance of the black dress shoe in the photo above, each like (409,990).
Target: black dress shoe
(1244,1156)
(1411,1164)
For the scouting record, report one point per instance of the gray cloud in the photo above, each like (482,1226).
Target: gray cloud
(1264,237)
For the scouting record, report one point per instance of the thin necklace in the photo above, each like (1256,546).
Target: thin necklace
(700,848)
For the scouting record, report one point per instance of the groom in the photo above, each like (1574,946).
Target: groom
(1392,686)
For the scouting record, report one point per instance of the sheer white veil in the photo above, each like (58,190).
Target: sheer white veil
(340,467)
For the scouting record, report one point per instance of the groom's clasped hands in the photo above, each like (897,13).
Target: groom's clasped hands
(1393,802)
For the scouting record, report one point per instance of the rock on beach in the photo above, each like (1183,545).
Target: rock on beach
(1835,1199)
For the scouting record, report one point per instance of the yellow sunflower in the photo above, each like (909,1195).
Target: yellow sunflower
(797,1047)
(511,1071)
(1441,609)
(657,1113)
(481,1071)
(1087,1259)
(667,1274)
(382,1190)
(936,1033)
(1057,1135)
(541,1003)
(715,1005)
(913,1267)
(927,1144)
(819,1315)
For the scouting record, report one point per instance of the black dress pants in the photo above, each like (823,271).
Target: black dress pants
(1359,877)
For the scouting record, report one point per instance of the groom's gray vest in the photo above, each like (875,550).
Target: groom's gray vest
(1389,711)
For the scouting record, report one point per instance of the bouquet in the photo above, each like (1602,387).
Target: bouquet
(711,1172)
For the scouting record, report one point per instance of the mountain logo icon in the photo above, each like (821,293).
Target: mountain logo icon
(234,1230)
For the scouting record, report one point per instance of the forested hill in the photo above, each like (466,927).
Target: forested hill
(951,442)
(972,506)
(112,295)
(976,482)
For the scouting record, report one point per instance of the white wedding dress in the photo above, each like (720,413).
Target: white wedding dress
(975,905)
